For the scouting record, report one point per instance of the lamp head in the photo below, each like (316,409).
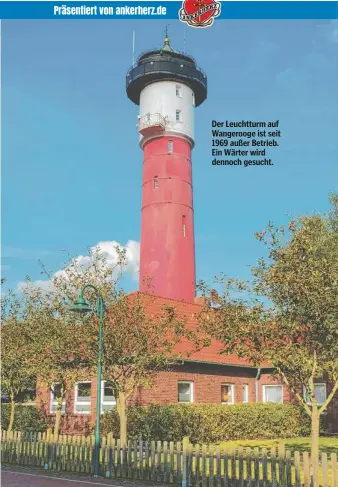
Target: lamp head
(81,305)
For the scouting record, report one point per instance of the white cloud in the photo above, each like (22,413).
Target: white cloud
(109,251)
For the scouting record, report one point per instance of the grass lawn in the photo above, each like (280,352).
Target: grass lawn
(327,445)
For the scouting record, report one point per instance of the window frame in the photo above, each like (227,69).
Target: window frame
(245,387)
(170,146)
(53,401)
(156,182)
(191,383)
(264,386)
(179,113)
(76,388)
(103,402)
(178,91)
(232,386)
(316,384)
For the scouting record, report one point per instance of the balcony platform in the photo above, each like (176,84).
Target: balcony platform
(151,124)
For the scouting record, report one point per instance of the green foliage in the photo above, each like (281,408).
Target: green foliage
(27,418)
(60,348)
(287,314)
(15,376)
(210,423)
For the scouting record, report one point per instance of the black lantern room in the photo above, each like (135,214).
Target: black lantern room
(165,64)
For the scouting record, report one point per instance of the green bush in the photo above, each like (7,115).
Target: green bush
(210,423)
(27,418)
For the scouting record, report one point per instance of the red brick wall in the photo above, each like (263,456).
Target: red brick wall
(207,380)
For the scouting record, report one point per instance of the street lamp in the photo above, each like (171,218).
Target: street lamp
(82,306)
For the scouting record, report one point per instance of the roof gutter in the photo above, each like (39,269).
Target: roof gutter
(224,364)
(258,375)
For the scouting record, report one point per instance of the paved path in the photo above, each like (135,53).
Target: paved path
(22,478)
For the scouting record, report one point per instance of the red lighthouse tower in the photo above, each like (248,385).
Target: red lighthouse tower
(167,86)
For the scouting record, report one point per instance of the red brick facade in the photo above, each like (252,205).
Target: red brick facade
(207,380)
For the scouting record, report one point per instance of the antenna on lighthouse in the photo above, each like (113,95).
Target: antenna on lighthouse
(133,47)
(166,38)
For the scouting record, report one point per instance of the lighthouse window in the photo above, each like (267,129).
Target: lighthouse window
(178,91)
(184,229)
(193,100)
(170,146)
(178,115)
(155,182)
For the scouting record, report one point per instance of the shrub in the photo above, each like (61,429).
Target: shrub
(205,423)
(27,418)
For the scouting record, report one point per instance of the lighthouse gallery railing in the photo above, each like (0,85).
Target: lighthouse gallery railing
(169,67)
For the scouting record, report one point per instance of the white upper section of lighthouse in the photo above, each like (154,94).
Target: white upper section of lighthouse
(169,104)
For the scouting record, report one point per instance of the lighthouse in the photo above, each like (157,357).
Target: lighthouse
(167,85)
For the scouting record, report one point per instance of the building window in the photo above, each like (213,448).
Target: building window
(170,146)
(185,392)
(178,116)
(178,91)
(273,394)
(155,182)
(245,393)
(227,394)
(55,393)
(108,401)
(320,394)
(184,228)
(82,397)
(27,397)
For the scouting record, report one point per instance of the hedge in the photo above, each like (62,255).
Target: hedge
(210,423)
(27,418)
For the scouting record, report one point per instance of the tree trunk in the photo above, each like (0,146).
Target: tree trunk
(122,410)
(314,444)
(11,419)
(57,419)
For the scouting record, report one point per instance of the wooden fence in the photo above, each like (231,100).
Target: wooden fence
(172,463)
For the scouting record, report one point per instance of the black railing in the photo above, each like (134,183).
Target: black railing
(155,51)
(169,67)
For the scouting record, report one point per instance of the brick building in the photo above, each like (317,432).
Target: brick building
(206,377)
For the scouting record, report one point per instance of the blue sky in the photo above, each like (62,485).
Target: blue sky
(71,165)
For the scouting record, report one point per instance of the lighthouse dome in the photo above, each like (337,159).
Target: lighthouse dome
(166,64)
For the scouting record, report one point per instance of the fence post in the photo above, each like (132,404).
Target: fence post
(46,452)
(334,469)
(186,442)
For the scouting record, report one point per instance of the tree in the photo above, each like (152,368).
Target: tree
(15,340)
(294,326)
(139,341)
(55,356)
(57,340)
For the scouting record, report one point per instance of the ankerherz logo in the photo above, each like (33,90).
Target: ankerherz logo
(199,13)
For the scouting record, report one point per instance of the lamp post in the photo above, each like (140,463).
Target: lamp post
(82,306)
